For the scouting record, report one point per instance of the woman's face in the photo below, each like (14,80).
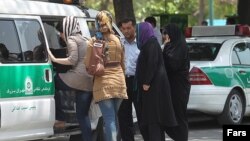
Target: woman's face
(103,27)
(165,38)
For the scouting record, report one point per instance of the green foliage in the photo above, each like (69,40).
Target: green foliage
(151,7)
(99,4)
(144,8)
(95,4)
(223,9)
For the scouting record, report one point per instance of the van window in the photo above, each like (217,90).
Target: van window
(32,40)
(53,34)
(91,26)
(53,27)
(10,50)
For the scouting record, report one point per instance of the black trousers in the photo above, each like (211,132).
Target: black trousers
(125,112)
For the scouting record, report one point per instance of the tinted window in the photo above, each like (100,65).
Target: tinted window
(32,39)
(203,51)
(53,29)
(53,35)
(10,50)
(91,26)
(242,52)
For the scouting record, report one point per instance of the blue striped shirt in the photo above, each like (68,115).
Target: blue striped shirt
(131,55)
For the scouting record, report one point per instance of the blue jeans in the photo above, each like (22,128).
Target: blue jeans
(83,101)
(109,109)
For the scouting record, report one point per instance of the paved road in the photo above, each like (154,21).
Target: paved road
(207,130)
(200,130)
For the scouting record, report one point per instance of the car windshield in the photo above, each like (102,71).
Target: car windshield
(203,51)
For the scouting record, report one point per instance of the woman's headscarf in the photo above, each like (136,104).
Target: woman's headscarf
(71,26)
(177,39)
(173,32)
(144,31)
(104,17)
(175,52)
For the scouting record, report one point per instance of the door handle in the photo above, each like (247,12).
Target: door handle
(242,72)
(48,75)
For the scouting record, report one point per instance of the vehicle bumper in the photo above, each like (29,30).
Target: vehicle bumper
(208,99)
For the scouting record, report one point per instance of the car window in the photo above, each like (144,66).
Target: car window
(235,58)
(241,52)
(203,51)
(10,50)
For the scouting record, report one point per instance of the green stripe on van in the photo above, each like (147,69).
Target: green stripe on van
(25,81)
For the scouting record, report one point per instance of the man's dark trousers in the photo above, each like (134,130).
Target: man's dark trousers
(125,112)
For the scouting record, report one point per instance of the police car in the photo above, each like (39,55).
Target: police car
(220,71)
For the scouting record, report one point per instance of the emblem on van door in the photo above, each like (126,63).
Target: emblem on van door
(28,86)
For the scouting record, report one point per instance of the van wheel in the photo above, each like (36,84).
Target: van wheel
(233,110)
(77,137)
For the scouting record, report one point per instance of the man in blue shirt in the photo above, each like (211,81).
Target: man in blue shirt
(157,32)
(127,26)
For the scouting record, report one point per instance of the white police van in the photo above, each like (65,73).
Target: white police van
(220,71)
(27,106)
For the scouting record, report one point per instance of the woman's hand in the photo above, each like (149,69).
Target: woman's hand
(166,39)
(63,61)
(51,56)
(145,87)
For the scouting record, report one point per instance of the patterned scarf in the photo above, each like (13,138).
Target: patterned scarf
(104,17)
(71,27)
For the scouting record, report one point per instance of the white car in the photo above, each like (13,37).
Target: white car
(220,71)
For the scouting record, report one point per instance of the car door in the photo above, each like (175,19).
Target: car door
(241,64)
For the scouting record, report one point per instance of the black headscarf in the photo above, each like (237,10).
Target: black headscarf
(175,52)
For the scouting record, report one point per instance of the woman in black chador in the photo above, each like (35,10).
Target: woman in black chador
(153,86)
(176,58)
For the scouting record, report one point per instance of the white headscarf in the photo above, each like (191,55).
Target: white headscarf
(71,26)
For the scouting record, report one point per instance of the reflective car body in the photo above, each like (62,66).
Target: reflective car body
(220,72)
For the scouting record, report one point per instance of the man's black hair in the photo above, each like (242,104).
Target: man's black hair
(230,20)
(205,23)
(151,20)
(126,20)
(4,51)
